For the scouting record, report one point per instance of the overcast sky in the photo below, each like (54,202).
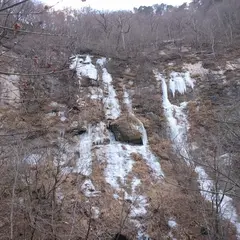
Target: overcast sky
(111,4)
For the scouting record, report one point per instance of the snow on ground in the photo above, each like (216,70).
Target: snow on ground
(57,110)
(196,68)
(84,68)
(228,211)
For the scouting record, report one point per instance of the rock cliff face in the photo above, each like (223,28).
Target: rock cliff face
(131,151)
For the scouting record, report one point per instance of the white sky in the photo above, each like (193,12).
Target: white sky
(111,4)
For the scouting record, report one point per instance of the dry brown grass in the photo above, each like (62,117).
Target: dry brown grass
(168,201)
(162,148)
(140,167)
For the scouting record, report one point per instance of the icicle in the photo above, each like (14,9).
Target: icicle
(179,82)
(111,104)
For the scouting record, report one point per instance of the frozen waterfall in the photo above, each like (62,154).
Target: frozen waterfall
(177,121)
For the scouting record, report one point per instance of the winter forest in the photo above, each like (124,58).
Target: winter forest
(120,125)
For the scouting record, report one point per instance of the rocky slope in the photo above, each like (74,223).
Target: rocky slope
(123,147)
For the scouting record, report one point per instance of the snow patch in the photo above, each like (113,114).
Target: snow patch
(9,91)
(95,93)
(226,159)
(57,105)
(139,205)
(101,61)
(150,159)
(62,116)
(172,223)
(196,68)
(139,202)
(33,159)
(194,146)
(232,65)
(95,212)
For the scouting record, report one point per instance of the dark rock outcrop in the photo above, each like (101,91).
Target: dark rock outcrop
(127,129)
(120,236)
(76,129)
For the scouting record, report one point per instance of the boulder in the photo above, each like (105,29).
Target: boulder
(127,129)
(76,128)
(164,156)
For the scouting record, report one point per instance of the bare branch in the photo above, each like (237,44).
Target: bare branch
(14,5)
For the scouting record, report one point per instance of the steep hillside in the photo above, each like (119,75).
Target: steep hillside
(137,148)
